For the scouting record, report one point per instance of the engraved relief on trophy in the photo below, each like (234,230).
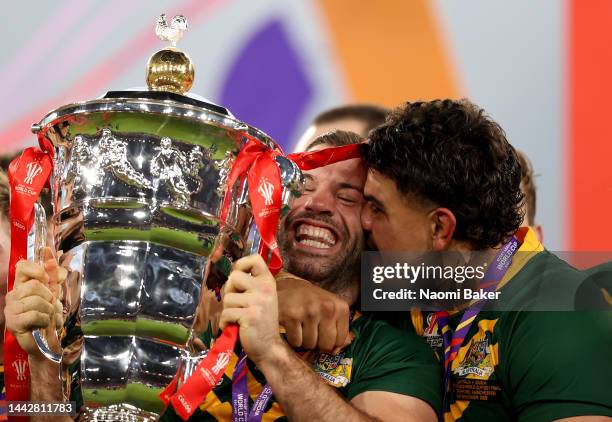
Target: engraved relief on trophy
(90,162)
(224,167)
(171,167)
(99,167)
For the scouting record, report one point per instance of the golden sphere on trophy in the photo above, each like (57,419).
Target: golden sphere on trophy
(170,69)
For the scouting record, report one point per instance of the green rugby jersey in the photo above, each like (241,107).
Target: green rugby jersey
(380,358)
(530,365)
(602,277)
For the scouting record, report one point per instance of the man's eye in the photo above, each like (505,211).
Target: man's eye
(308,187)
(347,199)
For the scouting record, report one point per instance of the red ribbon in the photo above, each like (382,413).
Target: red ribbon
(314,159)
(28,174)
(255,162)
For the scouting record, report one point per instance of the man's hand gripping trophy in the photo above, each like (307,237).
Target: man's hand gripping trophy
(34,302)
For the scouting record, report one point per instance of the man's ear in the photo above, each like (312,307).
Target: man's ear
(443,223)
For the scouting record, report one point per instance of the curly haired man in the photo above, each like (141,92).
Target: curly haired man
(442,177)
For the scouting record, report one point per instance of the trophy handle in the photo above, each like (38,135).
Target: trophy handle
(37,240)
(44,348)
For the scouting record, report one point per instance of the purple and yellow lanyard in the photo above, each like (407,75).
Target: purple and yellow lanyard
(491,280)
(240,395)
(240,392)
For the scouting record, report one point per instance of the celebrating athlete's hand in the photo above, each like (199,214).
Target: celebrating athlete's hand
(313,318)
(33,303)
(250,300)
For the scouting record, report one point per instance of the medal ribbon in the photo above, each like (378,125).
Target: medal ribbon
(491,280)
(28,174)
(240,395)
(255,162)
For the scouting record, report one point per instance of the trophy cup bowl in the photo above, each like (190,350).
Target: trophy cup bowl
(138,186)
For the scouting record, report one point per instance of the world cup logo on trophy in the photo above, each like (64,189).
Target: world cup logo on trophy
(149,213)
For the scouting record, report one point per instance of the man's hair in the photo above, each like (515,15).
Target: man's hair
(528,187)
(5,194)
(370,114)
(449,153)
(336,138)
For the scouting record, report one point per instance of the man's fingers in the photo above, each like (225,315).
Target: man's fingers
(253,264)
(35,303)
(237,300)
(239,281)
(59,314)
(230,315)
(327,335)
(32,288)
(32,320)
(28,270)
(310,331)
(347,341)
(47,254)
(342,328)
(293,330)
(56,274)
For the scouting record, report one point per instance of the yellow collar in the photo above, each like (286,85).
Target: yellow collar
(530,247)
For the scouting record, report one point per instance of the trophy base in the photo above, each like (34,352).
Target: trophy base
(118,413)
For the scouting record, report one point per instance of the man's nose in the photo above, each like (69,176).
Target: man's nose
(321,200)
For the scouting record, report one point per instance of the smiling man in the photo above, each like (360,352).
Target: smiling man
(383,374)
(443,177)
(322,234)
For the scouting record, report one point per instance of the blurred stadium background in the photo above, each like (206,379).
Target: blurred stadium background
(542,69)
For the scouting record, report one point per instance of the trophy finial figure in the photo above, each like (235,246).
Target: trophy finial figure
(174,31)
(170,69)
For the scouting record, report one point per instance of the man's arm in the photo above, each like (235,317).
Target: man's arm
(304,396)
(251,301)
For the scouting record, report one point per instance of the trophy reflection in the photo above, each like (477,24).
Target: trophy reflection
(139,186)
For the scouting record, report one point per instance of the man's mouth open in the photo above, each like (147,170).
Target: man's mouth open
(315,235)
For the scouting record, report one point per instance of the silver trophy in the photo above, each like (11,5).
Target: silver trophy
(138,187)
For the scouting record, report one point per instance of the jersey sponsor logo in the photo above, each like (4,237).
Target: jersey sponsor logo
(334,369)
(477,360)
